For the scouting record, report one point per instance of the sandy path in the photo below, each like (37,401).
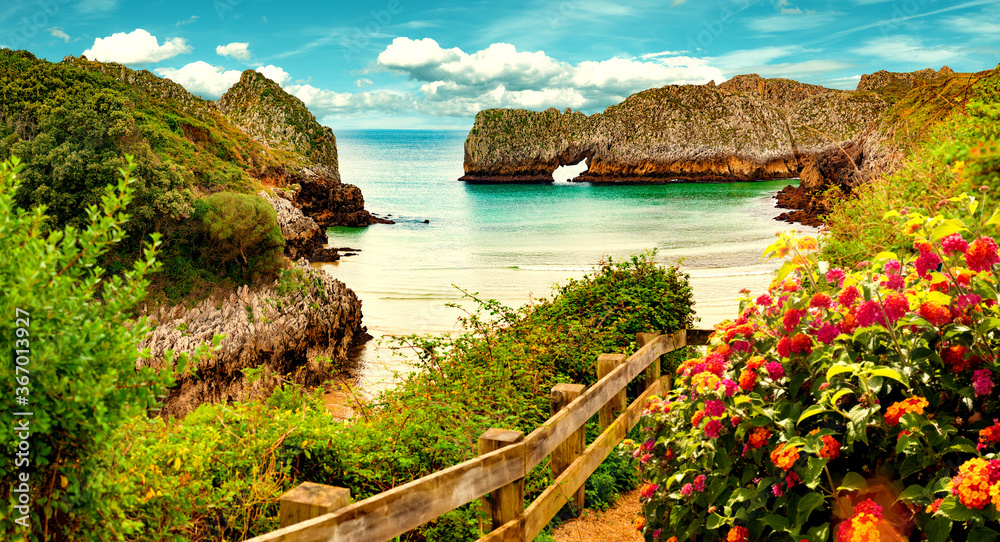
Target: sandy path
(612,525)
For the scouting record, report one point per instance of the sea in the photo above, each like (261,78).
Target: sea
(512,243)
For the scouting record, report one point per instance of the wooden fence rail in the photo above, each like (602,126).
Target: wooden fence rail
(506,457)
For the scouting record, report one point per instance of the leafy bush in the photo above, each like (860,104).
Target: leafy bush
(78,341)
(239,234)
(848,404)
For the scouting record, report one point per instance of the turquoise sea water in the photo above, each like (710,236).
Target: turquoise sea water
(512,242)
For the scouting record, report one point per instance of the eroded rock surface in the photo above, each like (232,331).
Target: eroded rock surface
(287,328)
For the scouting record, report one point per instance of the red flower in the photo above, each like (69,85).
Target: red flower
(830,449)
(896,305)
(870,313)
(712,428)
(820,301)
(801,343)
(784,347)
(935,313)
(926,262)
(955,357)
(827,333)
(982,254)
(791,319)
(954,243)
(775,370)
(848,296)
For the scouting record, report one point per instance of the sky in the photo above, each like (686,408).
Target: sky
(434,65)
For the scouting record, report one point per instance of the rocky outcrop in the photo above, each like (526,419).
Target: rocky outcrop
(268,114)
(303,236)
(288,329)
(748,128)
(327,201)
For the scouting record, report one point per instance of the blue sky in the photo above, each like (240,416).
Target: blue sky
(415,64)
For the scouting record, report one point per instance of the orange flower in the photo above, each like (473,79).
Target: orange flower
(747,380)
(755,362)
(899,409)
(972,484)
(759,437)
(830,449)
(639,523)
(783,457)
(807,243)
(738,534)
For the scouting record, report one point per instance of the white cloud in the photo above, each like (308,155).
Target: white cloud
(189,20)
(977,26)
(785,23)
(275,74)
(786,7)
(910,50)
(237,50)
(202,78)
(136,47)
(363,82)
(58,32)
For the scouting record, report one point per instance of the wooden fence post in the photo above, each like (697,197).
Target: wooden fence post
(652,374)
(571,448)
(507,503)
(309,500)
(605,364)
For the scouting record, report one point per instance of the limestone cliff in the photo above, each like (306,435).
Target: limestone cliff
(289,329)
(748,128)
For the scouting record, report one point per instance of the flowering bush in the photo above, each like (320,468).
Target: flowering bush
(850,404)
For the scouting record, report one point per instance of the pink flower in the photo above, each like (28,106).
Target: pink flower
(963,302)
(927,262)
(699,482)
(687,489)
(869,313)
(896,305)
(776,489)
(982,254)
(792,479)
(775,370)
(731,386)
(712,429)
(894,282)
(764,300)
(645,458)
(648,445)
(954,243)
(836,275)
(827,333)
(891,267)
(981,382)
(714,408)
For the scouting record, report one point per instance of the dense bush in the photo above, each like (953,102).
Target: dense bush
(847,404)
(217,473)
(76,375)
(238,234)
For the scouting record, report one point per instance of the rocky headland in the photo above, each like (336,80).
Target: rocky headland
(745,129)
(299,328)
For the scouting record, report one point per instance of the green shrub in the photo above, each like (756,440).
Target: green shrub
(239,234)
(72,325)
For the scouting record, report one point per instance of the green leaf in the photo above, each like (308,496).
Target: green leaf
(995,218)
(776,522)
(937,529)
(813,410)
(740,495)
(853,482)
(981,533)
(955,511)
(809,502)
(835,370)
(946,229)
(893,374)
(885,255)
(814,468)
(912,493)
(714,521)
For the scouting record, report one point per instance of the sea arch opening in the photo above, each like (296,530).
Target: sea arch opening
(567,172)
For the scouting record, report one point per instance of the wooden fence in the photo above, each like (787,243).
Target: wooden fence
(505,458)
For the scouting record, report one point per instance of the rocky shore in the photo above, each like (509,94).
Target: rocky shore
(300,328)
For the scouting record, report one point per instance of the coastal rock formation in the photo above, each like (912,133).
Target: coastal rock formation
(748,128)
(289,329)
(303,236)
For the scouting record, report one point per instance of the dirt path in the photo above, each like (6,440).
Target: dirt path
(613,525)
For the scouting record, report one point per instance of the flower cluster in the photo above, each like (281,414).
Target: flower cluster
(800,398)
(863,525)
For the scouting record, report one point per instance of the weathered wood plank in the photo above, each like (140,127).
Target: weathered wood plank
(558,428)
(308,500)
(566,453)
(652,373)
(547,505)
(506,503)
(400,509)
(510,532)
(607,414)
